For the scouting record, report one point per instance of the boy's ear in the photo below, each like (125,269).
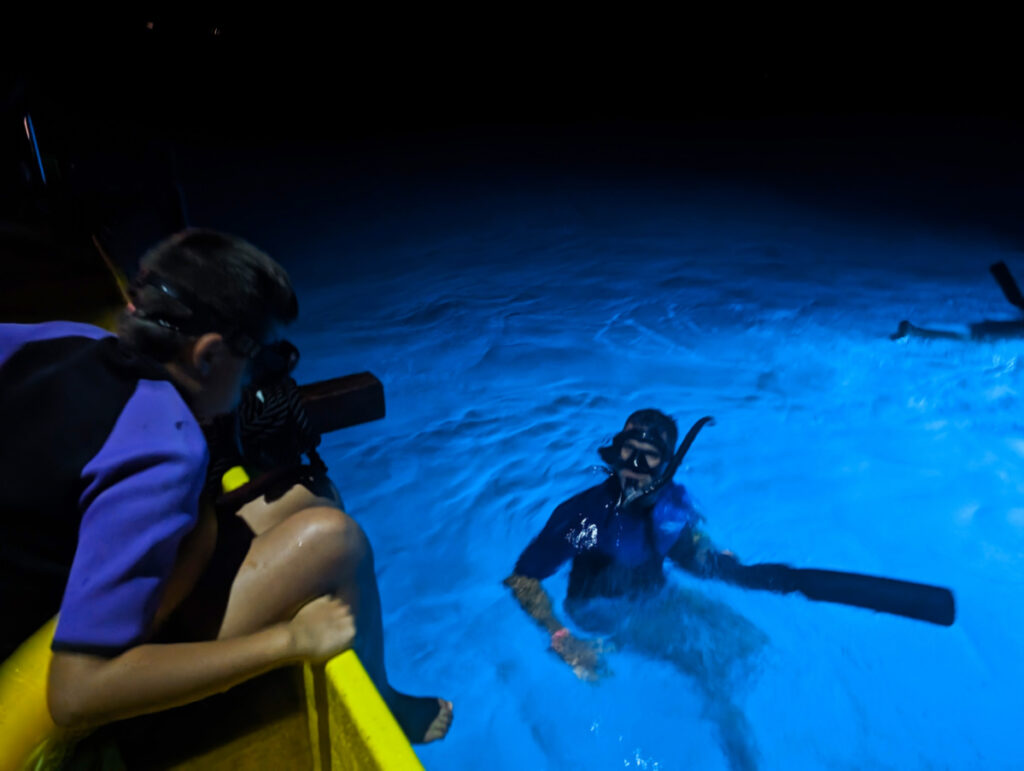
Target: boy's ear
(207,352)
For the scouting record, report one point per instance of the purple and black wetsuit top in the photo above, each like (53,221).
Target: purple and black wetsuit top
(101,468)
(613,553)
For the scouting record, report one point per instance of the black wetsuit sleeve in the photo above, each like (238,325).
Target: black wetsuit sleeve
(684,551)
(551,548)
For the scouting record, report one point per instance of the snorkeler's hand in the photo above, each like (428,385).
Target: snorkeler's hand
(584,656)
(322,628)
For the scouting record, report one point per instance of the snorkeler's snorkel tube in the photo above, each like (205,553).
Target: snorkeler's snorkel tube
(933,604)
(646,495)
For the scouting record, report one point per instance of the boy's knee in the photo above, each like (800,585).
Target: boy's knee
(333,533)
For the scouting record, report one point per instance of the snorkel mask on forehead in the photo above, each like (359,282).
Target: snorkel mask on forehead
(270,360)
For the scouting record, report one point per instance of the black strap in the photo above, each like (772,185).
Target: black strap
(268,435)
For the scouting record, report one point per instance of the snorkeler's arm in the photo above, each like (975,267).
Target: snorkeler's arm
(533,598)
(696,553)
(85,690)
(542,558)
(584,656)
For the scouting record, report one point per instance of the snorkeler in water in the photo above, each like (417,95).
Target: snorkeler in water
(617,535)
(617,539)
(982,330)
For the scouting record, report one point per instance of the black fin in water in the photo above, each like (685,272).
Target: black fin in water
(1006,282)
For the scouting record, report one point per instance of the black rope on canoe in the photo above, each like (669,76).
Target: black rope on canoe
(270,431)
(274,429)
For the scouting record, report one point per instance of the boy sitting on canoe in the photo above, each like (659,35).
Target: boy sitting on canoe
(104,462)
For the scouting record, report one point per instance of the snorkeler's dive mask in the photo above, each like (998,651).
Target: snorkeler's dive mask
(642,461)
(622,453)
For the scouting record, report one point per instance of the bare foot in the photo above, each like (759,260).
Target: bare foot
(422,718)
(439,726)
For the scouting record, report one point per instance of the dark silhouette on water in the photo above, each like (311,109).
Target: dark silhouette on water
(982,330)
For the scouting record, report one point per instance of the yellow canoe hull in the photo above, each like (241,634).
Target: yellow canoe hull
(325,717)
(28,737)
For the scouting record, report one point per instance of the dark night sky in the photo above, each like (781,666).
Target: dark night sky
(898,112)
(360,75)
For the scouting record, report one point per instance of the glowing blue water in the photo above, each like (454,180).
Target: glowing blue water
(514,335)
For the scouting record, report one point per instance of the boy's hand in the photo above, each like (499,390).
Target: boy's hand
(323,628)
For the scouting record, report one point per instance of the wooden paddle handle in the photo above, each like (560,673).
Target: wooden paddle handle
(343,401)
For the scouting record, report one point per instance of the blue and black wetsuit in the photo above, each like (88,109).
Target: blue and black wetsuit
(614,554)
(101,468)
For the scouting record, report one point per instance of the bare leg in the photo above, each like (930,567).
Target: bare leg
(715,646)
(304,549)
(260,515)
